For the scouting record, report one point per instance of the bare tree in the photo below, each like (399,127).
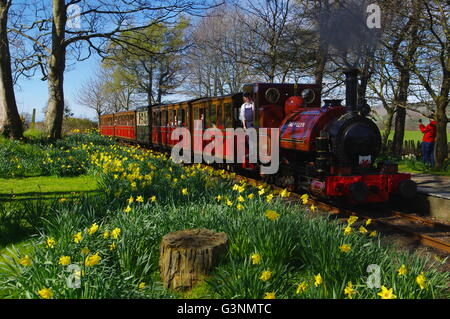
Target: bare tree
(92,94)
(10,123)
(100,21)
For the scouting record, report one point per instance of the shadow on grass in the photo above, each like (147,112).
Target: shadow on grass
(42,195)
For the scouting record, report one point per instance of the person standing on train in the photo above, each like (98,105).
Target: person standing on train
(429,137)
(246,112)
(246,116)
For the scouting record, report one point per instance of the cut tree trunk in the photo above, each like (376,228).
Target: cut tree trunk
(187,256)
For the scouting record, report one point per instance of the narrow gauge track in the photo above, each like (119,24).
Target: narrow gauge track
(424,230)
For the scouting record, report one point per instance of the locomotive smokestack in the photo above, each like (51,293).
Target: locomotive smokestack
(351,90)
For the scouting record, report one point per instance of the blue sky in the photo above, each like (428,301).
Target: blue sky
(33,93)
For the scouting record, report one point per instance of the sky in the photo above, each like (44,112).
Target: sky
(33,93)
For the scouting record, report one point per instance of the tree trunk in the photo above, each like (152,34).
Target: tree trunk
(322,58)
(400,118)
(441,133)
(387,129)
(10,124)
(56,65)
(187,256)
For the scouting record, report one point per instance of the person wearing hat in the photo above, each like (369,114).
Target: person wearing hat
(429,137)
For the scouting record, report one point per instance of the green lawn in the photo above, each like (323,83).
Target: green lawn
(413,135)
(45,187)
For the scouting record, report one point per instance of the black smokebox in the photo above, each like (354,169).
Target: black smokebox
(351,90)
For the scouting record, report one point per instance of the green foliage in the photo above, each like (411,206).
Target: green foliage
(144,196)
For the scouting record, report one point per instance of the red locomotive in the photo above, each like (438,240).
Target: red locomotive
(328,149)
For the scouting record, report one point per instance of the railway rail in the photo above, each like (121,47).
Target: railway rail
(427,231)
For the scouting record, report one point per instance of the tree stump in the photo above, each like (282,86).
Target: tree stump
(187,256)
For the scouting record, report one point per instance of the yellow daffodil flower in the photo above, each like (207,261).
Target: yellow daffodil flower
(386,293)
(266,275)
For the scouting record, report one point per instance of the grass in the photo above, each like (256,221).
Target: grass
(413,135)
(45,187)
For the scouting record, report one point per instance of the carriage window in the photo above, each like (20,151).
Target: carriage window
(163,118)
(228,115)
(181,117)
(206,122)
(213,116)
(219,115)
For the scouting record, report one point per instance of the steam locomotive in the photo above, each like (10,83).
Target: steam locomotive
(328,149)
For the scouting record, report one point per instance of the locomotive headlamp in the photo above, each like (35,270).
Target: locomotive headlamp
(308,96)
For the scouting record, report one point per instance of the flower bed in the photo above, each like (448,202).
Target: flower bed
(107,246)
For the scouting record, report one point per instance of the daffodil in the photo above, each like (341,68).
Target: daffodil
(270,295)
(386,293)
(266,275)
(140,199)
(313,208)
(64,260)
(363,230)
(256,259)
(92,260)
(250,196)
(115,233)
(373,234)
(345,248)
(93,229)
(302,287)
(318,280)
(304,198)
(45,293)
(284,193)
(368,222)
(184,191)
(50,242)
(421,280)
(269,198)
(349,291)
(77,237)
(105,234)
(239,207)
(128,209)
(218,197)
(130,200)
(272,215)
(112,246)
(153,198)
(347,230)
(141,285)
(402,271)
(241,199)
(25,261)
(352,220)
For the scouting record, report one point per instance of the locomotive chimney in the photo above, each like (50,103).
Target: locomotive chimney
(351,90)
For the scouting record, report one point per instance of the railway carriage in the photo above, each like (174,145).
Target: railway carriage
(329,149)
(143,133)
(106,124)
(125,125)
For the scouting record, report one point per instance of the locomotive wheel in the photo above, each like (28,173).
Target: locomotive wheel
(359,192)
